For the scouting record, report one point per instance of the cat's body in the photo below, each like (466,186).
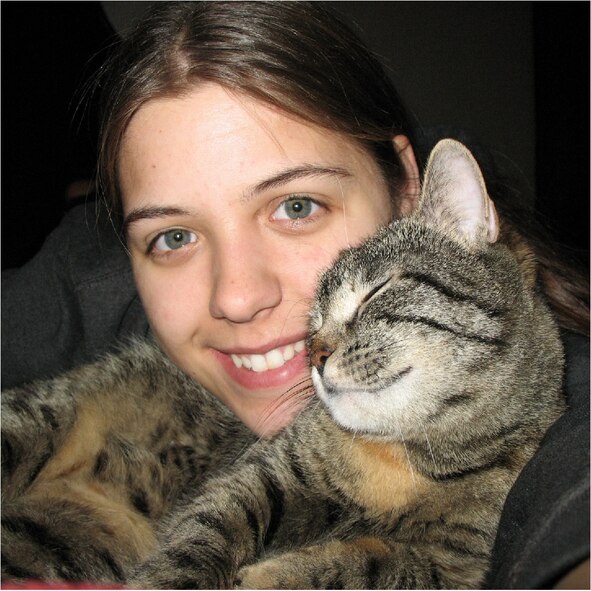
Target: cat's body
(93,461)
(439,369)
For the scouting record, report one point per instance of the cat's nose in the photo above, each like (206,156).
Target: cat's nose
(319,357)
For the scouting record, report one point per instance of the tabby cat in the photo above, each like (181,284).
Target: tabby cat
(437,368)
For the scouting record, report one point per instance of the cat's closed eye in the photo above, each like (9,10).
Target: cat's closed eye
(375,290)
(382,285)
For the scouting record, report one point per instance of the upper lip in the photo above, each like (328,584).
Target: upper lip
(262,349)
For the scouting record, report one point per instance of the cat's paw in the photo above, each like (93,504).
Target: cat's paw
(274,573)
(261,575)
(178,568)
(312,567)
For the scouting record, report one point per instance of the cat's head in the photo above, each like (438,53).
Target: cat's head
(420,316)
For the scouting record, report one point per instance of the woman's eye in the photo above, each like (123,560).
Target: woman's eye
(173,240)
(296,208)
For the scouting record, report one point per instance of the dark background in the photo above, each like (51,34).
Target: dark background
(514,73)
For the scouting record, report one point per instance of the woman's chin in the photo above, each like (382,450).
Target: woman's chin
(265,401)
(278,414)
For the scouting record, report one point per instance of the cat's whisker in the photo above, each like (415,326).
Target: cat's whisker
(429,445)
(352,442)
(305,303)
(412,472)
(298,394)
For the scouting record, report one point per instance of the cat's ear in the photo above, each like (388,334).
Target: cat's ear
(454,195)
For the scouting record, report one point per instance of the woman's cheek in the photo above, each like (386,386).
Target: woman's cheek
(170,300)
(305,267)
(314,257)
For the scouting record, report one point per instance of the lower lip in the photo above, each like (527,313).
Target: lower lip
(272,378)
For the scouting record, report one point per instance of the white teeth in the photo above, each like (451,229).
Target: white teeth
(274,359)
(259,363)
(288,353)
(271,360)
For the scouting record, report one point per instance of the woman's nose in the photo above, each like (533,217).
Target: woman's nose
(244,282)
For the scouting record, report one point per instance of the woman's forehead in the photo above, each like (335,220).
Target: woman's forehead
(218,111)
(220,135)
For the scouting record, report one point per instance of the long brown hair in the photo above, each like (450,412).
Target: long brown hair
(302,59)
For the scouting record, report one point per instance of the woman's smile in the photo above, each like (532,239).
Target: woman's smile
(273,359)
(258,371)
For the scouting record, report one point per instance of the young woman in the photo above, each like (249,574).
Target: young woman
(244,145)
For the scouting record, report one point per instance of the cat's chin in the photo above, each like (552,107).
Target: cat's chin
(363,410)
(350,417)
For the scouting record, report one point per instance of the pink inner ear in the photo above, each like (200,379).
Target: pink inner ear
(474,209)
(455,196)
(468,197)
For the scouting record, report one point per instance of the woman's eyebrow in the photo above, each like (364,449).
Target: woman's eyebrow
(151,212)
(285,176)
(281,178)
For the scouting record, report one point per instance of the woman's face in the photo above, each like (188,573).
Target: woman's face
(232,212)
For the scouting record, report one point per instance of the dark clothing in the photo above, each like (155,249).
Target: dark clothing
(544,530)
(76,299)
(71,302)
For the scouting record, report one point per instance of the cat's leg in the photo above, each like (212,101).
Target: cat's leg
(39,416)
(91,516)
(206,543)
(88,513)
(90,460)
(35,420)
(363,563)
(69,531)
